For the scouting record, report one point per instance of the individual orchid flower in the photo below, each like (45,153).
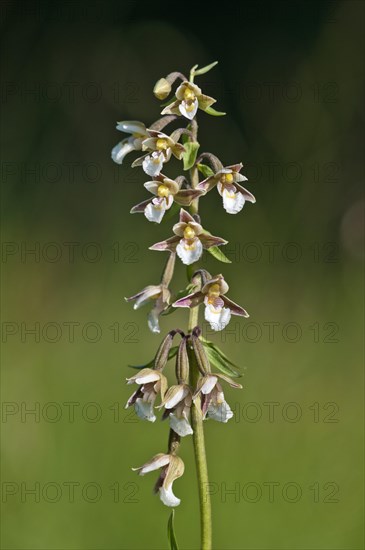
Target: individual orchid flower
(133,143)
(189,98)
(213,403)
(177,403)
(160,294)
(172,467)
(189,240)
(151,382)
(166,192)
(228,181)
(218,308)
(160,147)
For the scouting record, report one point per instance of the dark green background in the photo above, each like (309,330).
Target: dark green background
(291,80)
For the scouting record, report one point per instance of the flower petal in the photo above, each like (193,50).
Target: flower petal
(248,196)
(122,149)
(174,395)
(158,461)
(152,186)
(144,409)
(232,202)
(140,207)
(191,300)
(218,318)
(144,295)
(132,127)
(208,384)
(221,412)
(168,244)
(168,497)
(189,251)
(153,321)
(235,308)
(152,164)
(180,426)
(189,113)
(186,196)
(155,212)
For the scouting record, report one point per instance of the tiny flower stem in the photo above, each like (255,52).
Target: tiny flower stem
(196,414)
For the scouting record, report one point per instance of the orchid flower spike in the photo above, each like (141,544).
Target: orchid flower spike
(189,240)
(133,143)
(228,181)
(218,308)
(172,467)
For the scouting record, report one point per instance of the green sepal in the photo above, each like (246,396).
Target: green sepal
(171,532)
(151,364)
(189,157)
(205,170)
(213,112)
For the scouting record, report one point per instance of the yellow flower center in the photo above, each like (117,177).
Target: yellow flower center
(163,191)
(227,178)
(189,95)
(189,233)
(161,144)
(213,292)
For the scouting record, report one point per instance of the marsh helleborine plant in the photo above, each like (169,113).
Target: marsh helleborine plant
(198,392)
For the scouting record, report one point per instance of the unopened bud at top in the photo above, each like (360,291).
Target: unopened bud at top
(162,88)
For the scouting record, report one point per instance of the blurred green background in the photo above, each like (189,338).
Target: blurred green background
(287,471)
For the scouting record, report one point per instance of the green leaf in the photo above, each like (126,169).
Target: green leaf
(205,170)
(220,361)
(205,69)
(189,156)
(218,254)
(213,112)
(151,364)
(171,532)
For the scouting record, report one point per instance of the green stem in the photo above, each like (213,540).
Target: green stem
(197,419)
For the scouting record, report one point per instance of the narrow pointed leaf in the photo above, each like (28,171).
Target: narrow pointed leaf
(205,170)
(171,532)
(205,69)
(213,112)
(217,253)
(219,361)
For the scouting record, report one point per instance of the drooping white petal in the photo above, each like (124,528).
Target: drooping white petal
(151,376)
(189,252)
(221,412)
(122,149)
(168,497)
(144,409)
(155,212)
(190,114)
(209,384)
(232,202)
(180,393)
(132,127)
(152,164)
(217,317)
(153,465)
(152,321)
(180,425)
(148,293)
